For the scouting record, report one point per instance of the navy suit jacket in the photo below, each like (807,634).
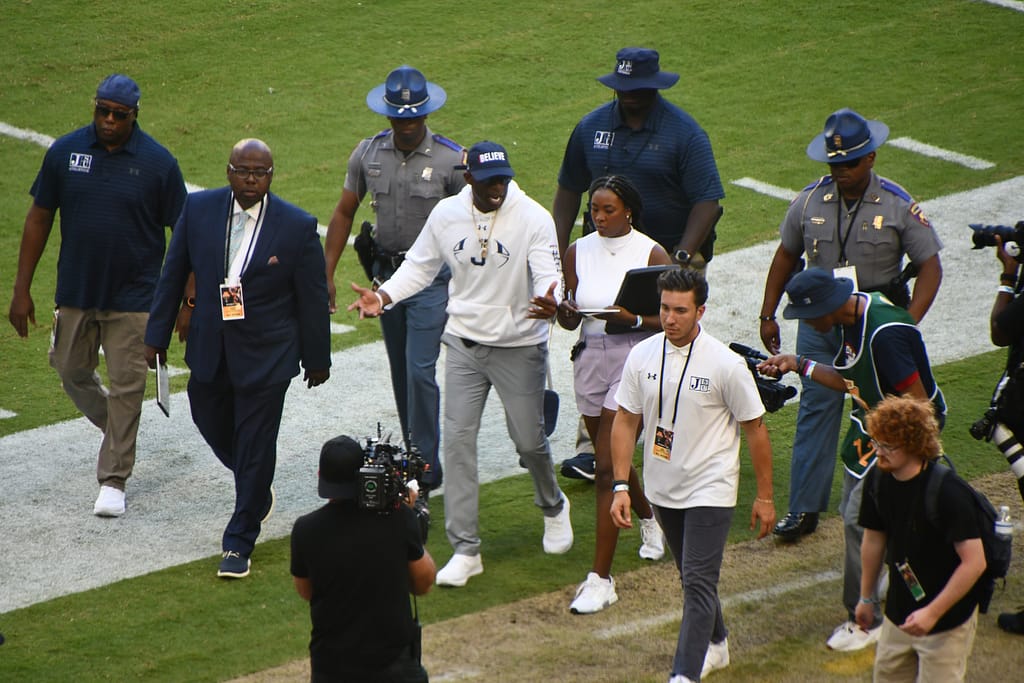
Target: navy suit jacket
(284,290)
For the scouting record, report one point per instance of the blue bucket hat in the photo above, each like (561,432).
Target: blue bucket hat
(121,89)
(847,136)
(406,94)
(637,68)
(486,160)
(815,293)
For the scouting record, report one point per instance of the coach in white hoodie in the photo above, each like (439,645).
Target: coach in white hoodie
(502,250)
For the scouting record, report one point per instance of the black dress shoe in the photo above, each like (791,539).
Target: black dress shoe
(1012,622)
(796,524)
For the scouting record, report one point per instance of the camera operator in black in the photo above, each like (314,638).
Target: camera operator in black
(1006,326)
(357,567)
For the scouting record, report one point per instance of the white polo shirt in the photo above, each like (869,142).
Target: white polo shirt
(718,394)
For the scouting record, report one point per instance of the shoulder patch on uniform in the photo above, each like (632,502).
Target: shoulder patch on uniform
(892,188)
(450,144)
(918,215)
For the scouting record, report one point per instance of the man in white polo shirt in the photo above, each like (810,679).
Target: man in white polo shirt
(693,394)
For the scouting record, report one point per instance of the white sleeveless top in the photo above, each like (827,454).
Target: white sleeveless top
(601,264)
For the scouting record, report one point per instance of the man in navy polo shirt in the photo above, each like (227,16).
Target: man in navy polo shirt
(116,188)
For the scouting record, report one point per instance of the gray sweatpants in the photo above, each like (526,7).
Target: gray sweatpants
(517,374)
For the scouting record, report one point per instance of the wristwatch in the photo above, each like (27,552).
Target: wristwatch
(682,257)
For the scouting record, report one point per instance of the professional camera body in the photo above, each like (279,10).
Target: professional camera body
(773,392)
(1013,238)
(387,469)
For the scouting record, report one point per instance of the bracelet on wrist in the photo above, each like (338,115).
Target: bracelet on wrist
(620,488)
(765,501)
(1005,289)
(380,300)
(639,322)
(809,368)
(766,318)
(867,601)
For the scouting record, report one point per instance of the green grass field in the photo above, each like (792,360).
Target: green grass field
(761,76)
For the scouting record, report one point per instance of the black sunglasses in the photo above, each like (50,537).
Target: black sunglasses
(853,163)
(119,114)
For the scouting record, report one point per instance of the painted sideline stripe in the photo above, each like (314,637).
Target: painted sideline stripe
(4,414)
(912,145)
(1008,4)
(765,188)
(757,595)
(45,141)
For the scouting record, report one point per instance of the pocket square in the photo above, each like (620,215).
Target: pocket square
(272,261)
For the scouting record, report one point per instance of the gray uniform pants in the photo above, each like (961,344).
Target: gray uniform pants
(517,374)
(853,535)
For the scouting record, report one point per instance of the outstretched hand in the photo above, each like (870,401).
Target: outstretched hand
(368,304)
(544,307)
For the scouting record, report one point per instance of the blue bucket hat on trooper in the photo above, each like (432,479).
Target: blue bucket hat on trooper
(486,160)
(847,136)
(814,293)
(406,94)
(637,68)
(121,89)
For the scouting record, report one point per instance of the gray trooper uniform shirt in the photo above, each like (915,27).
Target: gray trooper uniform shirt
(872,235)
(403,188)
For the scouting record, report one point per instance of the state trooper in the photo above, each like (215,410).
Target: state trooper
(406,169)
(858,225)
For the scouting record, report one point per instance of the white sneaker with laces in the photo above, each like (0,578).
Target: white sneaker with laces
(594,595)
(679,678)
(849,637)
(459,570)
(110,502)
(558,531)
(717,657)
(652,540)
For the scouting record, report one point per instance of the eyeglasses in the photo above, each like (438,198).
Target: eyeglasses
(119,114)
(258,173)
(879,446)
(853,163)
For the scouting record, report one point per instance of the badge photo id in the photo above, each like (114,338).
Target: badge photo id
(662,448)
(910,578)
(231,306)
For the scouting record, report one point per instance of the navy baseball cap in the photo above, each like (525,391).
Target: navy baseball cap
(340,460)
(637,68)
(847,136)
(486,160)
(406,94)
(121,89)
(815,293)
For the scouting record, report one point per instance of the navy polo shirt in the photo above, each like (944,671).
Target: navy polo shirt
(669,160)
(113,210)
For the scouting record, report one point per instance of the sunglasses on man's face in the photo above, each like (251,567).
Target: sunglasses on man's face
(853,163)
(119,114)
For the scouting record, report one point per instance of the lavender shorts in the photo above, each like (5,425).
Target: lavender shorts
(597,370)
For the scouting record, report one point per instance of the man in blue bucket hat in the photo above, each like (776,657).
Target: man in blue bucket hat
(854,224)
(406,169)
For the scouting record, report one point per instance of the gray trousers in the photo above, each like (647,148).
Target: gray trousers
(517,374)
(697,537)
(853,535)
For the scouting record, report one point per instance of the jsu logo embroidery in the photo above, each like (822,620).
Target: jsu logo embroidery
(603,139)
(652,375)
(80,163)
(701,384)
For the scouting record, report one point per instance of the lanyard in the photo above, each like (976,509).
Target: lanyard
(661,377)
(843,239)
(252,242)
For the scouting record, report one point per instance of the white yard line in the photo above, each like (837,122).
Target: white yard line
(767,188)
(912,145)
(1008,4)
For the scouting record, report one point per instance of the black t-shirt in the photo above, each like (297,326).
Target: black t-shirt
(358,564)
(899,512)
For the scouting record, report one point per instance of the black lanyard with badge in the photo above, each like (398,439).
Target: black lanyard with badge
(232,306)
(662,448)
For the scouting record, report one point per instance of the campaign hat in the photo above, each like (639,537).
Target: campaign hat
(637,68)
(121,89)
(847,136)
(815,293)
(486,160)
(340,460)
(406,94)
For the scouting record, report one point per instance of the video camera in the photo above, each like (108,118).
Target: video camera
(1013,238)
(387,469)
(773,392)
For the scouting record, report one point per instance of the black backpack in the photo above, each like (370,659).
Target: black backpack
(998,549)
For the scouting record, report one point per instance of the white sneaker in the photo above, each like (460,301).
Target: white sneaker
(679,678)
(558,531)
(459,570)
(652,540)
(594,595)
(849,637)
(110,502)
(717,657)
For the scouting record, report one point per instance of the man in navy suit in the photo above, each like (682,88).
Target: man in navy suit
(258,296)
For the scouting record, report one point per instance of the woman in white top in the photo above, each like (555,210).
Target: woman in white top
(594,267)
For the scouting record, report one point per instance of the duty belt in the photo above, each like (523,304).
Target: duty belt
(390,260)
